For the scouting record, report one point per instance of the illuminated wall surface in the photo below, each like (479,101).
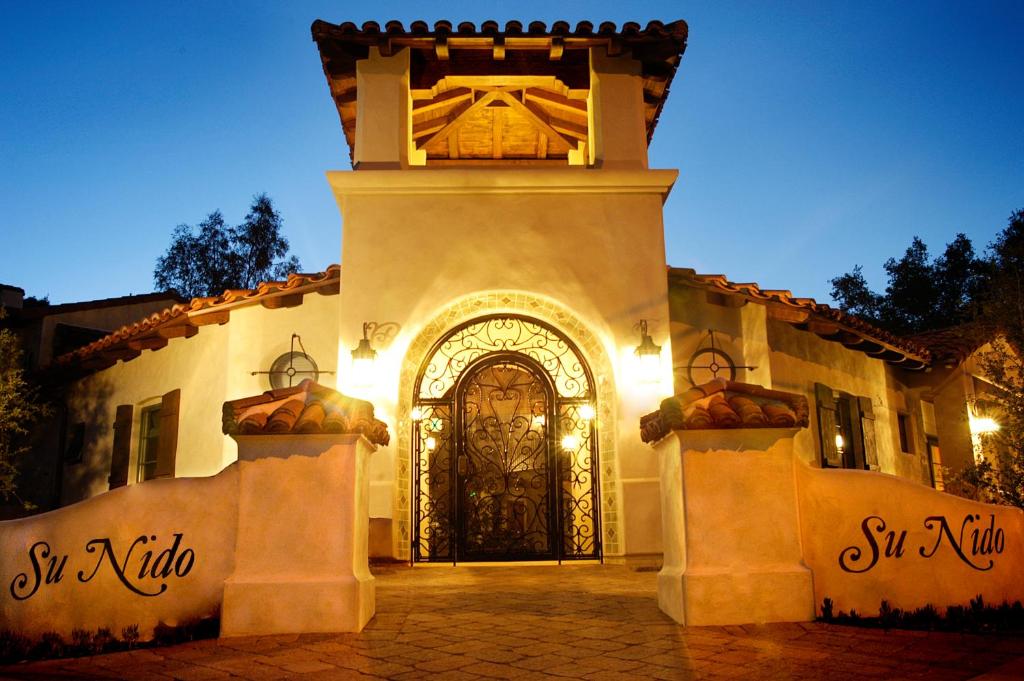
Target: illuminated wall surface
(504,282)
(249,545)
(773,537)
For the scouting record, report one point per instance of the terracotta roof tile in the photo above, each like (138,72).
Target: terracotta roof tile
(721,404)
(308,408)
(954,344)
(181,319)
(809,315)
(658,46)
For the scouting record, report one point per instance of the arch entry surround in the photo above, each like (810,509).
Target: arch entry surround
(504,446)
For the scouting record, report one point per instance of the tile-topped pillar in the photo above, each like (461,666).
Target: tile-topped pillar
(303,517)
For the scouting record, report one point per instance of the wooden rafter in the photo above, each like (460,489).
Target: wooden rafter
(460,116)
(555,100)
(442,100)
(537,118)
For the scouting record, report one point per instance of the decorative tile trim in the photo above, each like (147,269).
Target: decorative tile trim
(512,302)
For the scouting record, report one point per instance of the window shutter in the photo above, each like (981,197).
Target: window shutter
(867,426)
(167,447)
(827,425)
(122,450)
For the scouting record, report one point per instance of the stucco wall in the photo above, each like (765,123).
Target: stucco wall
(739,332)
(952,420)
(210,368)
(589,240)
(744,519)
(869,536)
(143,554)
(100,318)
(800,359)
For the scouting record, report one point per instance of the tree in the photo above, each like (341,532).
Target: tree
(217,257)
(20,409)
(922,294)
(985,296)
(1001,314)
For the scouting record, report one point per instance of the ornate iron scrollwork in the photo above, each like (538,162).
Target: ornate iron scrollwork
(505,447)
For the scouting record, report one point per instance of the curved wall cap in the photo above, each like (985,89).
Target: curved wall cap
(721,404)
(306,409)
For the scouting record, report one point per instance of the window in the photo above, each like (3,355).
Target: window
(846,429)
(935,463)
(903,424)
(157,437)
(149,442)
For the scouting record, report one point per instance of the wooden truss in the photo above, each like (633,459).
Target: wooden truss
(499,117)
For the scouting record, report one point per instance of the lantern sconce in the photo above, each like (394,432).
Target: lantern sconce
(648,355)
(363,357)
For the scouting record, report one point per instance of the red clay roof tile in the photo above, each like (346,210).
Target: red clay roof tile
(308,408)
(721,404)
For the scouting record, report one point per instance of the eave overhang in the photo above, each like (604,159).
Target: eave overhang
(490,50)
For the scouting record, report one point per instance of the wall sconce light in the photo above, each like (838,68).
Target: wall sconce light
(648,355)
(570,442)
(587,412)
(983,425)
(362,360)
(840,443)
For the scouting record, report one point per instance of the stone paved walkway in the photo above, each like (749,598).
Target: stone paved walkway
(587,621)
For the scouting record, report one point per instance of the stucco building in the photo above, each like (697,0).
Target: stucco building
(503,282)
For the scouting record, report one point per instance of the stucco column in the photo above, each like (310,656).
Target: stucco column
(300,553)
(731,529)
(618,129)
(384,113)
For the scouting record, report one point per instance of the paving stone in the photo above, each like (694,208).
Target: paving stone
(595,622)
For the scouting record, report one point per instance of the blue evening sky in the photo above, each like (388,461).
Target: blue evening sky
(810,136)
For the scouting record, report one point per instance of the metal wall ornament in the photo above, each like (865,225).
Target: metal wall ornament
(498,399)
(709,361)
(292,367)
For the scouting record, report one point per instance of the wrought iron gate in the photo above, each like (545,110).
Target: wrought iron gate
(505,447)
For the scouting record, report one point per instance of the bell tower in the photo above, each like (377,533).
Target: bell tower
(506,163)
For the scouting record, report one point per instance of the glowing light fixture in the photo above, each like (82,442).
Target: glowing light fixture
(416,414)
(431,443)
(363,358)
(587,412)
(648,355)
(982,425)
(840,442)
(570,442)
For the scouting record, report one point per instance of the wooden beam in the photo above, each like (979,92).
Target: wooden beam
(785,313)
(542,145)
(536,118)
(278,302)
(424,128)
(453,145)
(186,329)
(458,117)
(556,49)
(442,100)
(822,328)
(498,48)
(553,99)
(148,343)
(441,47)
(513,82)
(580,132)
(207,318)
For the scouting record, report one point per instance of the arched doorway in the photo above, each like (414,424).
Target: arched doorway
(505,446)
